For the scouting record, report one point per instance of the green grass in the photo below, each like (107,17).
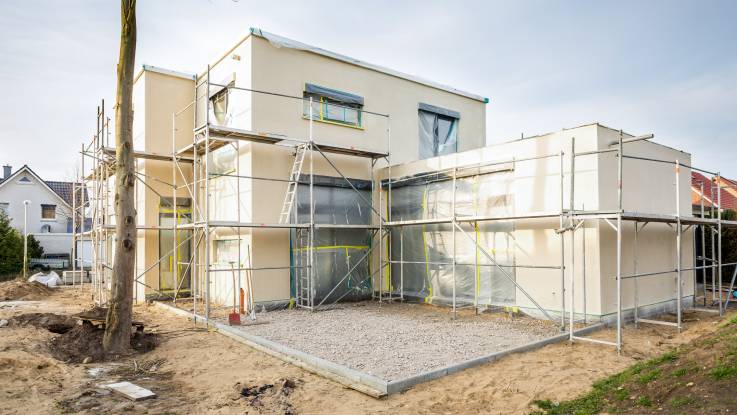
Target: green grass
(722,370)
(648,377)
(682,401)
(680,372)
(644,401)
(612,393)
(621,394)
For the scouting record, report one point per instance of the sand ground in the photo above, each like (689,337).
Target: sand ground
(198,371)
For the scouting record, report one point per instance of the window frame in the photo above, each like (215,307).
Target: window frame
(440,114)
(44,208)
(324,100)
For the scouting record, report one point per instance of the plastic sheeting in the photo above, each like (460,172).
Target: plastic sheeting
(429,248)
(336,250)
(50,280)
(438,134)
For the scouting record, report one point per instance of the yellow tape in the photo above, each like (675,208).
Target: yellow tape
(428,298)
(387,270)
(346,247)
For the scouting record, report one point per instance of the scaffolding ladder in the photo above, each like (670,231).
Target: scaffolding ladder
(303,289)
(299,158)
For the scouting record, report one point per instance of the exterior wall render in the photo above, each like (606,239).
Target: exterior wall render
(537,189)
(648,187)
(287,70)
(157,96)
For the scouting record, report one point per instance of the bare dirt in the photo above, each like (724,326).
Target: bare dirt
(55,323)
(194,370)
(23,290)
(84,342)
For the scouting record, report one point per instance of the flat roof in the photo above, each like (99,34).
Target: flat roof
(164,71)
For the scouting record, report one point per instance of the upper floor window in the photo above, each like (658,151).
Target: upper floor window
(48,211)
(219,102)
(333,106)
(438,130)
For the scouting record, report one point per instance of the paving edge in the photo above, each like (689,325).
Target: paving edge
(362,382)
(401,385)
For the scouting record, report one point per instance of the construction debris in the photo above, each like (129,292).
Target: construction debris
(130,391)
(268,395)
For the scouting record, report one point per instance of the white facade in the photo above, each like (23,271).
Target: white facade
(48,214)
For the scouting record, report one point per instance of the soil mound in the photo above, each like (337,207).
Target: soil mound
(55,323)
(85,341)
(268,395)
(23,290)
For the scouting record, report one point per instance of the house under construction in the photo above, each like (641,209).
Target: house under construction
(288,175)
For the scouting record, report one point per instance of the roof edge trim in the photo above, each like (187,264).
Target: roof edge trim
(164,71)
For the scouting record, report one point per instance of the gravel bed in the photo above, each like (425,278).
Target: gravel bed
(394,341)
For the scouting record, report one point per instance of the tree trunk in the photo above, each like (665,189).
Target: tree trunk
(120,306)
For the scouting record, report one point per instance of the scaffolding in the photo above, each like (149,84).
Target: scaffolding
(209,136)
(570,220)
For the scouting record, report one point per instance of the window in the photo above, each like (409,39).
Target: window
(24,180)
(332,106)
(222,160)
(438,131)
(220,106)
(4,208)
(48,211)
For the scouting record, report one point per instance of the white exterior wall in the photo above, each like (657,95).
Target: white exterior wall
(15,192)
(648,188)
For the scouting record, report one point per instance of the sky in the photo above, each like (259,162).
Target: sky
(662,67)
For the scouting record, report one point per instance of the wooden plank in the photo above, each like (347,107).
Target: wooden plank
(130,391)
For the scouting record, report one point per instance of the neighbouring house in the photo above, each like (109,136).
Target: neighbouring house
(49,211)
(704,189)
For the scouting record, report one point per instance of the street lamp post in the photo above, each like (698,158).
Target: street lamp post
(25,238)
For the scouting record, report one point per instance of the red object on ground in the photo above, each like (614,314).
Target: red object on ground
(234,319)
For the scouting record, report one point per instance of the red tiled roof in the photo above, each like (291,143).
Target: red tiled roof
(728,191)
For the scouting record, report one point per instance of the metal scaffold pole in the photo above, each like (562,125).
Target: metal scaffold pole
(719,241)
(207,199)
(571,209)
(453,236)
(561,235)
(620,209)
(311,237)
(679,231)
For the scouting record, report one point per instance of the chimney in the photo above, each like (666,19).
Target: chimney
(7,169)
